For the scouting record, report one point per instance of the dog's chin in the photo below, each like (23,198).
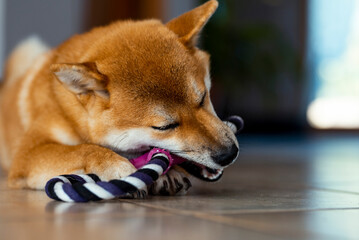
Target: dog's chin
(202,172)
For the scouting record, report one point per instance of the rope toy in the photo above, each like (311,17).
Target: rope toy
(89,187)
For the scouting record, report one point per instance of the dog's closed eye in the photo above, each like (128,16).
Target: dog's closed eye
(166,127)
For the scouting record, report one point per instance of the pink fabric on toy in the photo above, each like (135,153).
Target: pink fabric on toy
(145,158)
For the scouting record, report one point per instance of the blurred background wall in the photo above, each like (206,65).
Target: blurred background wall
(267,55)
(258,50)
(2,34)
(54,21)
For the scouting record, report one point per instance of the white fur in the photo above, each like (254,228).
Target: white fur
(24,55)
(23,102)
(133,139)
(208,83)
(211,108)
(71,78)
(38,181)
(63,137)
(137,139)
(207,80)
(196,89)
(20,60)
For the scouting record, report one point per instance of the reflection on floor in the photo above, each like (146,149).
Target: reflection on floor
(280,188)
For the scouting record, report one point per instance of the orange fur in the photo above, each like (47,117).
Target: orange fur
(68,112)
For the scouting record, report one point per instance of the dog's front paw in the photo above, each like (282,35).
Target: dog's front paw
(173,183)
(140,194)
(110,167)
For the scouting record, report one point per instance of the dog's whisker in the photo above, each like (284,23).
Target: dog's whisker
(120,139)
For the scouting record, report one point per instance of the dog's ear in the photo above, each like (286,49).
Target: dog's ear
(188,25)
(81,78)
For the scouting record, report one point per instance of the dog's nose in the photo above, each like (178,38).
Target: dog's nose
(226,157)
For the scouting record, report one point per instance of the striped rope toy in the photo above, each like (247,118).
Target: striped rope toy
(89,187)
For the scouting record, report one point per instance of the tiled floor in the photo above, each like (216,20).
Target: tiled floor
(281,188)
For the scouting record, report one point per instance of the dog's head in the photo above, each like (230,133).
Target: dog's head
(144,84)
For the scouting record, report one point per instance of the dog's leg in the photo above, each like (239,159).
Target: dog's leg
(175,182)
(33,167)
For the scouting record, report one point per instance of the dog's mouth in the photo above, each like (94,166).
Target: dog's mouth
(202,172)
(132,153)
(195,169)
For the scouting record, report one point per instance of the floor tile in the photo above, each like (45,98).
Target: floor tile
(280,188)
(38,218)
(345,187)
(237,200)
(327,224)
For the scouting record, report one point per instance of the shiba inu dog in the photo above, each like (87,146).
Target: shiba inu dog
(111,94)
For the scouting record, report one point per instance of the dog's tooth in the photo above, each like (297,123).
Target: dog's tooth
(205,173)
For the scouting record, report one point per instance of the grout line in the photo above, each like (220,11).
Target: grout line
(308,186)
(288,210)
(180,211)
(247,225)
(262,228)
(334,190)
(242,211)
